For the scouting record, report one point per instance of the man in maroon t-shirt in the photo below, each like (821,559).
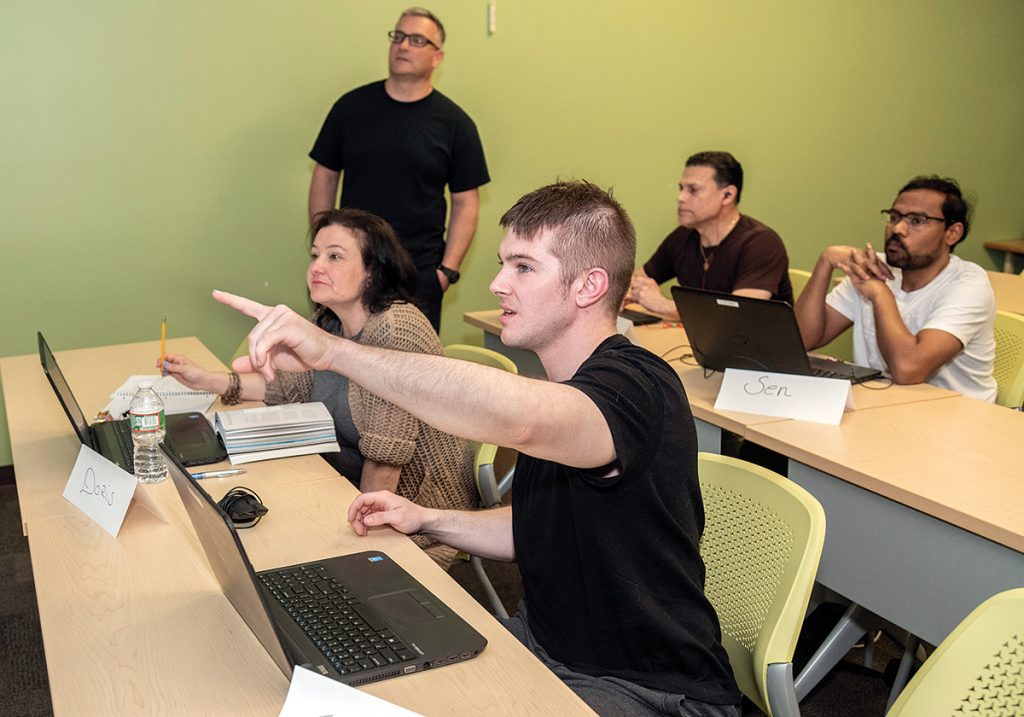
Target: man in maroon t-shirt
(715,247)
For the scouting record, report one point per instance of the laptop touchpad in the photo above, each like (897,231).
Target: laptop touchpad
(408,606)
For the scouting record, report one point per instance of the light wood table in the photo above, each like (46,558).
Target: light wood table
(138,624)
(924,504)
(41,434)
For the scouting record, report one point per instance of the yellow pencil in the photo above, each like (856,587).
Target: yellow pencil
(163,345)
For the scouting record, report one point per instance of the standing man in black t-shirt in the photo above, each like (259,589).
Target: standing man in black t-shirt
(715,247)
(399,143)
(606,512)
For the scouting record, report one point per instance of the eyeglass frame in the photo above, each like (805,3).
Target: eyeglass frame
(889,216)
(397,37)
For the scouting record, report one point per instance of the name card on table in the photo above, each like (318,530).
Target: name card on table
(313,695)
(805,398)
(104,492)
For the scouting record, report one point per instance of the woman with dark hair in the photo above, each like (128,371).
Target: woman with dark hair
(362,281)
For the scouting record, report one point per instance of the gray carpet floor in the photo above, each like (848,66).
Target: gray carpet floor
(852,690)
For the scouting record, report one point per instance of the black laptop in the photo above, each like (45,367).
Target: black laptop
(190,437)
(356,618)
(729,331)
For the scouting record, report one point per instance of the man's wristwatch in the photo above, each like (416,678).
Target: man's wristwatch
(451,274)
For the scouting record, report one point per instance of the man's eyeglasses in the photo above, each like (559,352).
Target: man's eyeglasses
(416,40)
(915,220)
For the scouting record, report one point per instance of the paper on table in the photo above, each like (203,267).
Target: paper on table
(176,398)
(313,694)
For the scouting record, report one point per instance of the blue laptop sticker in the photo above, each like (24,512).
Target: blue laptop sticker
(376,558)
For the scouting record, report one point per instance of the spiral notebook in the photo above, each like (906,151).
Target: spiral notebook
(176,398)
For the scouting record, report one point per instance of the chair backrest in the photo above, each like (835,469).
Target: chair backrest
(762,541)
(977,670)
(1009,364)
(478,354)
(841,347)
(488,485)
(798,278)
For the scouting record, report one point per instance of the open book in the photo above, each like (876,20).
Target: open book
(265,432)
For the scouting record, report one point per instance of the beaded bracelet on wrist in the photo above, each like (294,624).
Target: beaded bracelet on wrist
(234,393)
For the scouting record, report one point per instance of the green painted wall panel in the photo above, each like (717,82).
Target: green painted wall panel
(173,136)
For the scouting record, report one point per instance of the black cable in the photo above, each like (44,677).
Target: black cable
(243,506)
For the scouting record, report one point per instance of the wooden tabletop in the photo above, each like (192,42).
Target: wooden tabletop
(957,459)
(138,625)
(41,434)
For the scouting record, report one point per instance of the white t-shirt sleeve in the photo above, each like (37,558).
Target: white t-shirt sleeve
(965,309)
(844,299)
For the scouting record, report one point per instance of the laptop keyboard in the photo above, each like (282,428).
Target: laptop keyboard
(350,635)
(123,434)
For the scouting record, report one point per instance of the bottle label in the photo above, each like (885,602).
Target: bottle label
(147,422)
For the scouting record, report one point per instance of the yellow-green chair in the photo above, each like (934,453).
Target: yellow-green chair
(977,670)
(841,347)
(478,354)
(798,278)
(488,485)
(1009,364)
(762,541)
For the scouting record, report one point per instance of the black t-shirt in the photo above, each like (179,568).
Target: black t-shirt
(397,158)
(611,568)
(752,256)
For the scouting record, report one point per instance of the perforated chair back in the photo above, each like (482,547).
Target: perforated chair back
(1008,368)
(762,541)
(977,670)
(798,278)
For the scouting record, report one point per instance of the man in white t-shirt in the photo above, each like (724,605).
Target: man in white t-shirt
(918,312)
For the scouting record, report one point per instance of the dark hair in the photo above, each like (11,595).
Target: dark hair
(955,208)
(727,169)
(423,12)
(390,273)
(589,229)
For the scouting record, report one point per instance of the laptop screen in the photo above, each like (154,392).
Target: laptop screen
(63,391)
(227,558)
(729,331)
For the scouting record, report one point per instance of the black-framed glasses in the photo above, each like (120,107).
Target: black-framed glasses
(914,220)
(416,40)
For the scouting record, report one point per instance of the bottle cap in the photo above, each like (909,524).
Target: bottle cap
(145,384)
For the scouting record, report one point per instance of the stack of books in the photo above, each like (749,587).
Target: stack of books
(259,434)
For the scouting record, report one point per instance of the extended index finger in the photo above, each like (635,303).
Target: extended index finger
(239,303)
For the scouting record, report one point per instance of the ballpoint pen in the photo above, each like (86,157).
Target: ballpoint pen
(219,474)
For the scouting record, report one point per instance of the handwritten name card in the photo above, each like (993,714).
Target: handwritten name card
(805,398)
(103,491)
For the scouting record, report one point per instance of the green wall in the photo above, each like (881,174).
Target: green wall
(153,151)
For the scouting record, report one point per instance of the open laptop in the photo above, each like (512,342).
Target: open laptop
(189,435)
(356,618)
(729,331)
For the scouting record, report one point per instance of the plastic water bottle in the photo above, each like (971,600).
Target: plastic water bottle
(149,425)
